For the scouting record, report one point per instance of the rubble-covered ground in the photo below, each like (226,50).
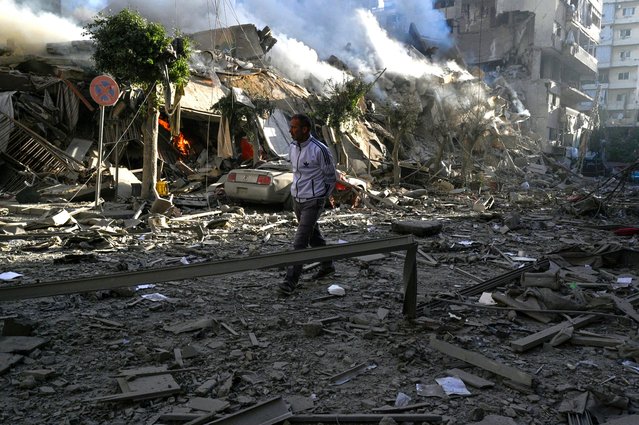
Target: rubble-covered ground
(232,342)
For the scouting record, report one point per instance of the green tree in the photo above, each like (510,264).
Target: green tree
(340,109)
(622,143)
(137,52)
(402,119)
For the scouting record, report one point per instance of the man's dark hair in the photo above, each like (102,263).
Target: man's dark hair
(304,120)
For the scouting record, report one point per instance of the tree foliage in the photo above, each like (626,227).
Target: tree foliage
(341,106)
(135,51)
(241,116)
(402,119)
(622,143)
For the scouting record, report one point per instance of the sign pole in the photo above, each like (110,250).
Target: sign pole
(105,92)
(98,183)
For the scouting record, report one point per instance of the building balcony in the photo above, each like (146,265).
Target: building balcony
(622,122)
(572,96)
(582,61)
(627,106)
(629,63)
(591,87)
(626,20)
(592,31)
(630,83)
(605,42)
(627,41)
(603,64)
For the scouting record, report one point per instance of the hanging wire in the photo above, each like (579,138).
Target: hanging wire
(86,182)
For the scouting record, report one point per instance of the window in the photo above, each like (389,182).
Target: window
(628,11)
(623,75)
(624,33)
(603,77)
(621,97)
(624,55)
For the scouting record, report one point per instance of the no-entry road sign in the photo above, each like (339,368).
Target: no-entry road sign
(104,90)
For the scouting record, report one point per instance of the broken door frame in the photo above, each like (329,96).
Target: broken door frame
(190,271)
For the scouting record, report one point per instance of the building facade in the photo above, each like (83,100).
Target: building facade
(618,56)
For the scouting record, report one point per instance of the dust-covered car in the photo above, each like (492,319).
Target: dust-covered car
(269,183)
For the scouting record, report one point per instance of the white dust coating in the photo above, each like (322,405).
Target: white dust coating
(27,31)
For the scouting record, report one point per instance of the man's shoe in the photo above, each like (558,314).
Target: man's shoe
(286,288)
(323,272)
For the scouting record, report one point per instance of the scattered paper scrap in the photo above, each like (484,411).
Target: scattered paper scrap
(9,275)
(452,385)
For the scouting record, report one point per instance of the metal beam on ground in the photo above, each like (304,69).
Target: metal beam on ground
(190,271)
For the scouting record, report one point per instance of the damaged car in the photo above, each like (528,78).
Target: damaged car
(270,183)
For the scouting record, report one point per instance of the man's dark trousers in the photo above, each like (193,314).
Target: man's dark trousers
(307,234)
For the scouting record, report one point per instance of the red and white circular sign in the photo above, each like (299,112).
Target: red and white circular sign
(104,90)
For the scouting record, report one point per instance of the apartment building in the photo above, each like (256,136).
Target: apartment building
(543,48)
(618,56)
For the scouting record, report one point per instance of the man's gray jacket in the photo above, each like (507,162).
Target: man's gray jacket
(313,170)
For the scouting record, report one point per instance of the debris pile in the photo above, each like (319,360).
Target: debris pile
(514,301)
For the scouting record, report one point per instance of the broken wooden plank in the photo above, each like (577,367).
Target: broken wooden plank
(342,418)
(344,377)
(479,360)
(267,413)
(254,341)
(595,341)
(488,285)
(398,409)
(625,306)
(207,404)
(428,259)
(133,396)
(526,343)
(228,328)
(147,384)
(511,302)
(20,344)
(470,379)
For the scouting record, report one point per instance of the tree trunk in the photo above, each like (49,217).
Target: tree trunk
(396,169)
(150,166)
(467,158)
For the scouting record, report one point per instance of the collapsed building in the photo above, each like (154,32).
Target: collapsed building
(459,118)
(539,60)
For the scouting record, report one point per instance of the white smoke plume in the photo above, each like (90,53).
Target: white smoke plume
(308,32)
(334,27)
(26,30)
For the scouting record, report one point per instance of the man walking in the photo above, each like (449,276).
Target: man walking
(313,181)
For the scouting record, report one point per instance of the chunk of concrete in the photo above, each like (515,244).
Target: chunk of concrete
(417,227)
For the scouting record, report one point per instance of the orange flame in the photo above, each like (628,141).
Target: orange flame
(180,142)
